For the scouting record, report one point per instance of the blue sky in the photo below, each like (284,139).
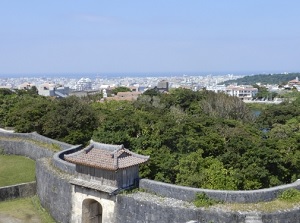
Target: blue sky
(73,36)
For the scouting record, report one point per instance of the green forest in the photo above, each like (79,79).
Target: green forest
(199,139)
(280,79)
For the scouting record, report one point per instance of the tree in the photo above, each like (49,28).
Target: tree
(196,171)
(264,93)
(152,92)
(7,101)
(70,120)
(226,107)
(27,113)
(120,89)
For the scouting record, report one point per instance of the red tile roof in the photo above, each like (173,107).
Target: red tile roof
(104,156)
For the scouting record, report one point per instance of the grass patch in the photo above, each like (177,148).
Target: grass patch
(25,210)
(51,146)
(134,190)
(16,169)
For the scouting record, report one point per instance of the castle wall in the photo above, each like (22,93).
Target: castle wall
(130,209)
(34,136)
(290,216)
(24,148)
(54,190)
(151,209)
(189,193)
(17,191)
(59,162)
(28,144)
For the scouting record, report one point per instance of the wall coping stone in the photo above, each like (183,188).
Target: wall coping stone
(59,162)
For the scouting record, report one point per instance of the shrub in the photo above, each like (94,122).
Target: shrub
(202,200)
(290,195)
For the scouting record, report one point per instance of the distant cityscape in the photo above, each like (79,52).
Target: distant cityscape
(83,86)
(98,83)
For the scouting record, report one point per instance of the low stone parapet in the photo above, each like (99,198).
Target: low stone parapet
(18,191)
(59,162)
(189,193)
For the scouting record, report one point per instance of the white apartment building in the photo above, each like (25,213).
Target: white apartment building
(242,92)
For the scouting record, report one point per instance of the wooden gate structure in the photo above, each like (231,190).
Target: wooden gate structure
(102,170)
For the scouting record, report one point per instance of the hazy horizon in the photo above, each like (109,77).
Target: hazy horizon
(131,74)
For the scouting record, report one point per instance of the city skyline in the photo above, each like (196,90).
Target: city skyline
(100,37)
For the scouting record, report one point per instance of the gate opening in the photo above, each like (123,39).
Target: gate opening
(91,211)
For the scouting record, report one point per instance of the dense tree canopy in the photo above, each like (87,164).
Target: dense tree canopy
(199,139)
(70,119)
(76,119)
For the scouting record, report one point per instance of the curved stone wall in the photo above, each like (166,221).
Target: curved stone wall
(59,162)
(38,137)
(31,145)
(34,136)
(189,193)
(131,209)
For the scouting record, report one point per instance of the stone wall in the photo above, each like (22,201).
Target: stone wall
(34,136)
(290,216)
(38,137)
(18,191)
(24,148)
(54,190)
(31,145)
(189,193)
(130,209)
(52,185)
(59,162)
(151,209)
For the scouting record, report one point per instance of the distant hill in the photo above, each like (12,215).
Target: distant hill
(264,79)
